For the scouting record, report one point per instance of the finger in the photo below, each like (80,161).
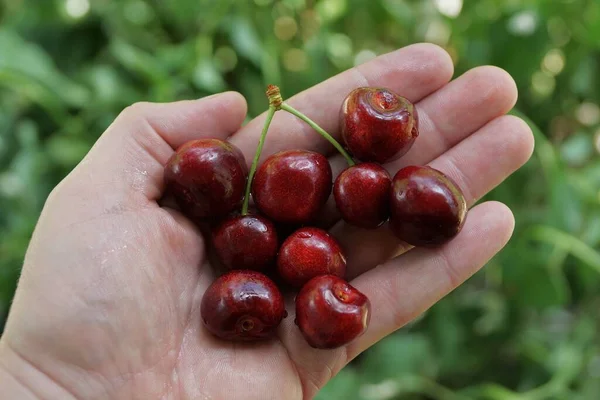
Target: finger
(460,108)
(455,111)
(405,287)
(126,163)
(477,165)
(216,116)
(482,162)
(414,72)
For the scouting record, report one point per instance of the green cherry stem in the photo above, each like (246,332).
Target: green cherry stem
(275,104)
(321,131)
(261,143)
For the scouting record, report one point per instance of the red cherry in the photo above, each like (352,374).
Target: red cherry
(330,312)
(285,230)
(362,195)
(427,207)
(246,242)
(242,306)
(292,186)
(309,252)
(206,177)
(377,124)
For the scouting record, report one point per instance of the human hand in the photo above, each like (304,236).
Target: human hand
(108,302)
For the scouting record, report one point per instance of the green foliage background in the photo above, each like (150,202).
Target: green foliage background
(525,328)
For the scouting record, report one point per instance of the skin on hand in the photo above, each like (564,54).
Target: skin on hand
(108,304)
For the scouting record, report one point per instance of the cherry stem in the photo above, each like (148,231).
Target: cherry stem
(275,104)
(321,131)
(261,143)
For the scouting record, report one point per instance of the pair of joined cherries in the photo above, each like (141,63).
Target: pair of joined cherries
(210,182)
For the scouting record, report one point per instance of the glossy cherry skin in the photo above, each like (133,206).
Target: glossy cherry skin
(330,312)
(246,242)
(427,208)
(292,186)
(377,124)
(309,252)
(242,305)
(207,177)
(362,195)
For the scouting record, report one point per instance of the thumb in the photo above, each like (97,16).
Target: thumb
(124,169)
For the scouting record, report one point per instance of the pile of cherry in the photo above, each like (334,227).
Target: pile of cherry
(210,181)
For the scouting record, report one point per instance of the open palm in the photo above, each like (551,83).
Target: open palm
(108,303)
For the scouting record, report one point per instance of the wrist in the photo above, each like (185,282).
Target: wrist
(19,379)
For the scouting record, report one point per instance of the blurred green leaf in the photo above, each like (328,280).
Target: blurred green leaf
(27,69)
(67,151)
(398,355)
(345,386)
(577,149)
(568,242)
(245,40)
(400,10)
(139,62)
(207,77)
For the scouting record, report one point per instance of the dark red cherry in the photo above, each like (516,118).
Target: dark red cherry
(242,305)
(377,124)
(207,178)
(362,195)
(309,252)
(285,230)
(427,207)
(246,242)
(292,186)
(331,313)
